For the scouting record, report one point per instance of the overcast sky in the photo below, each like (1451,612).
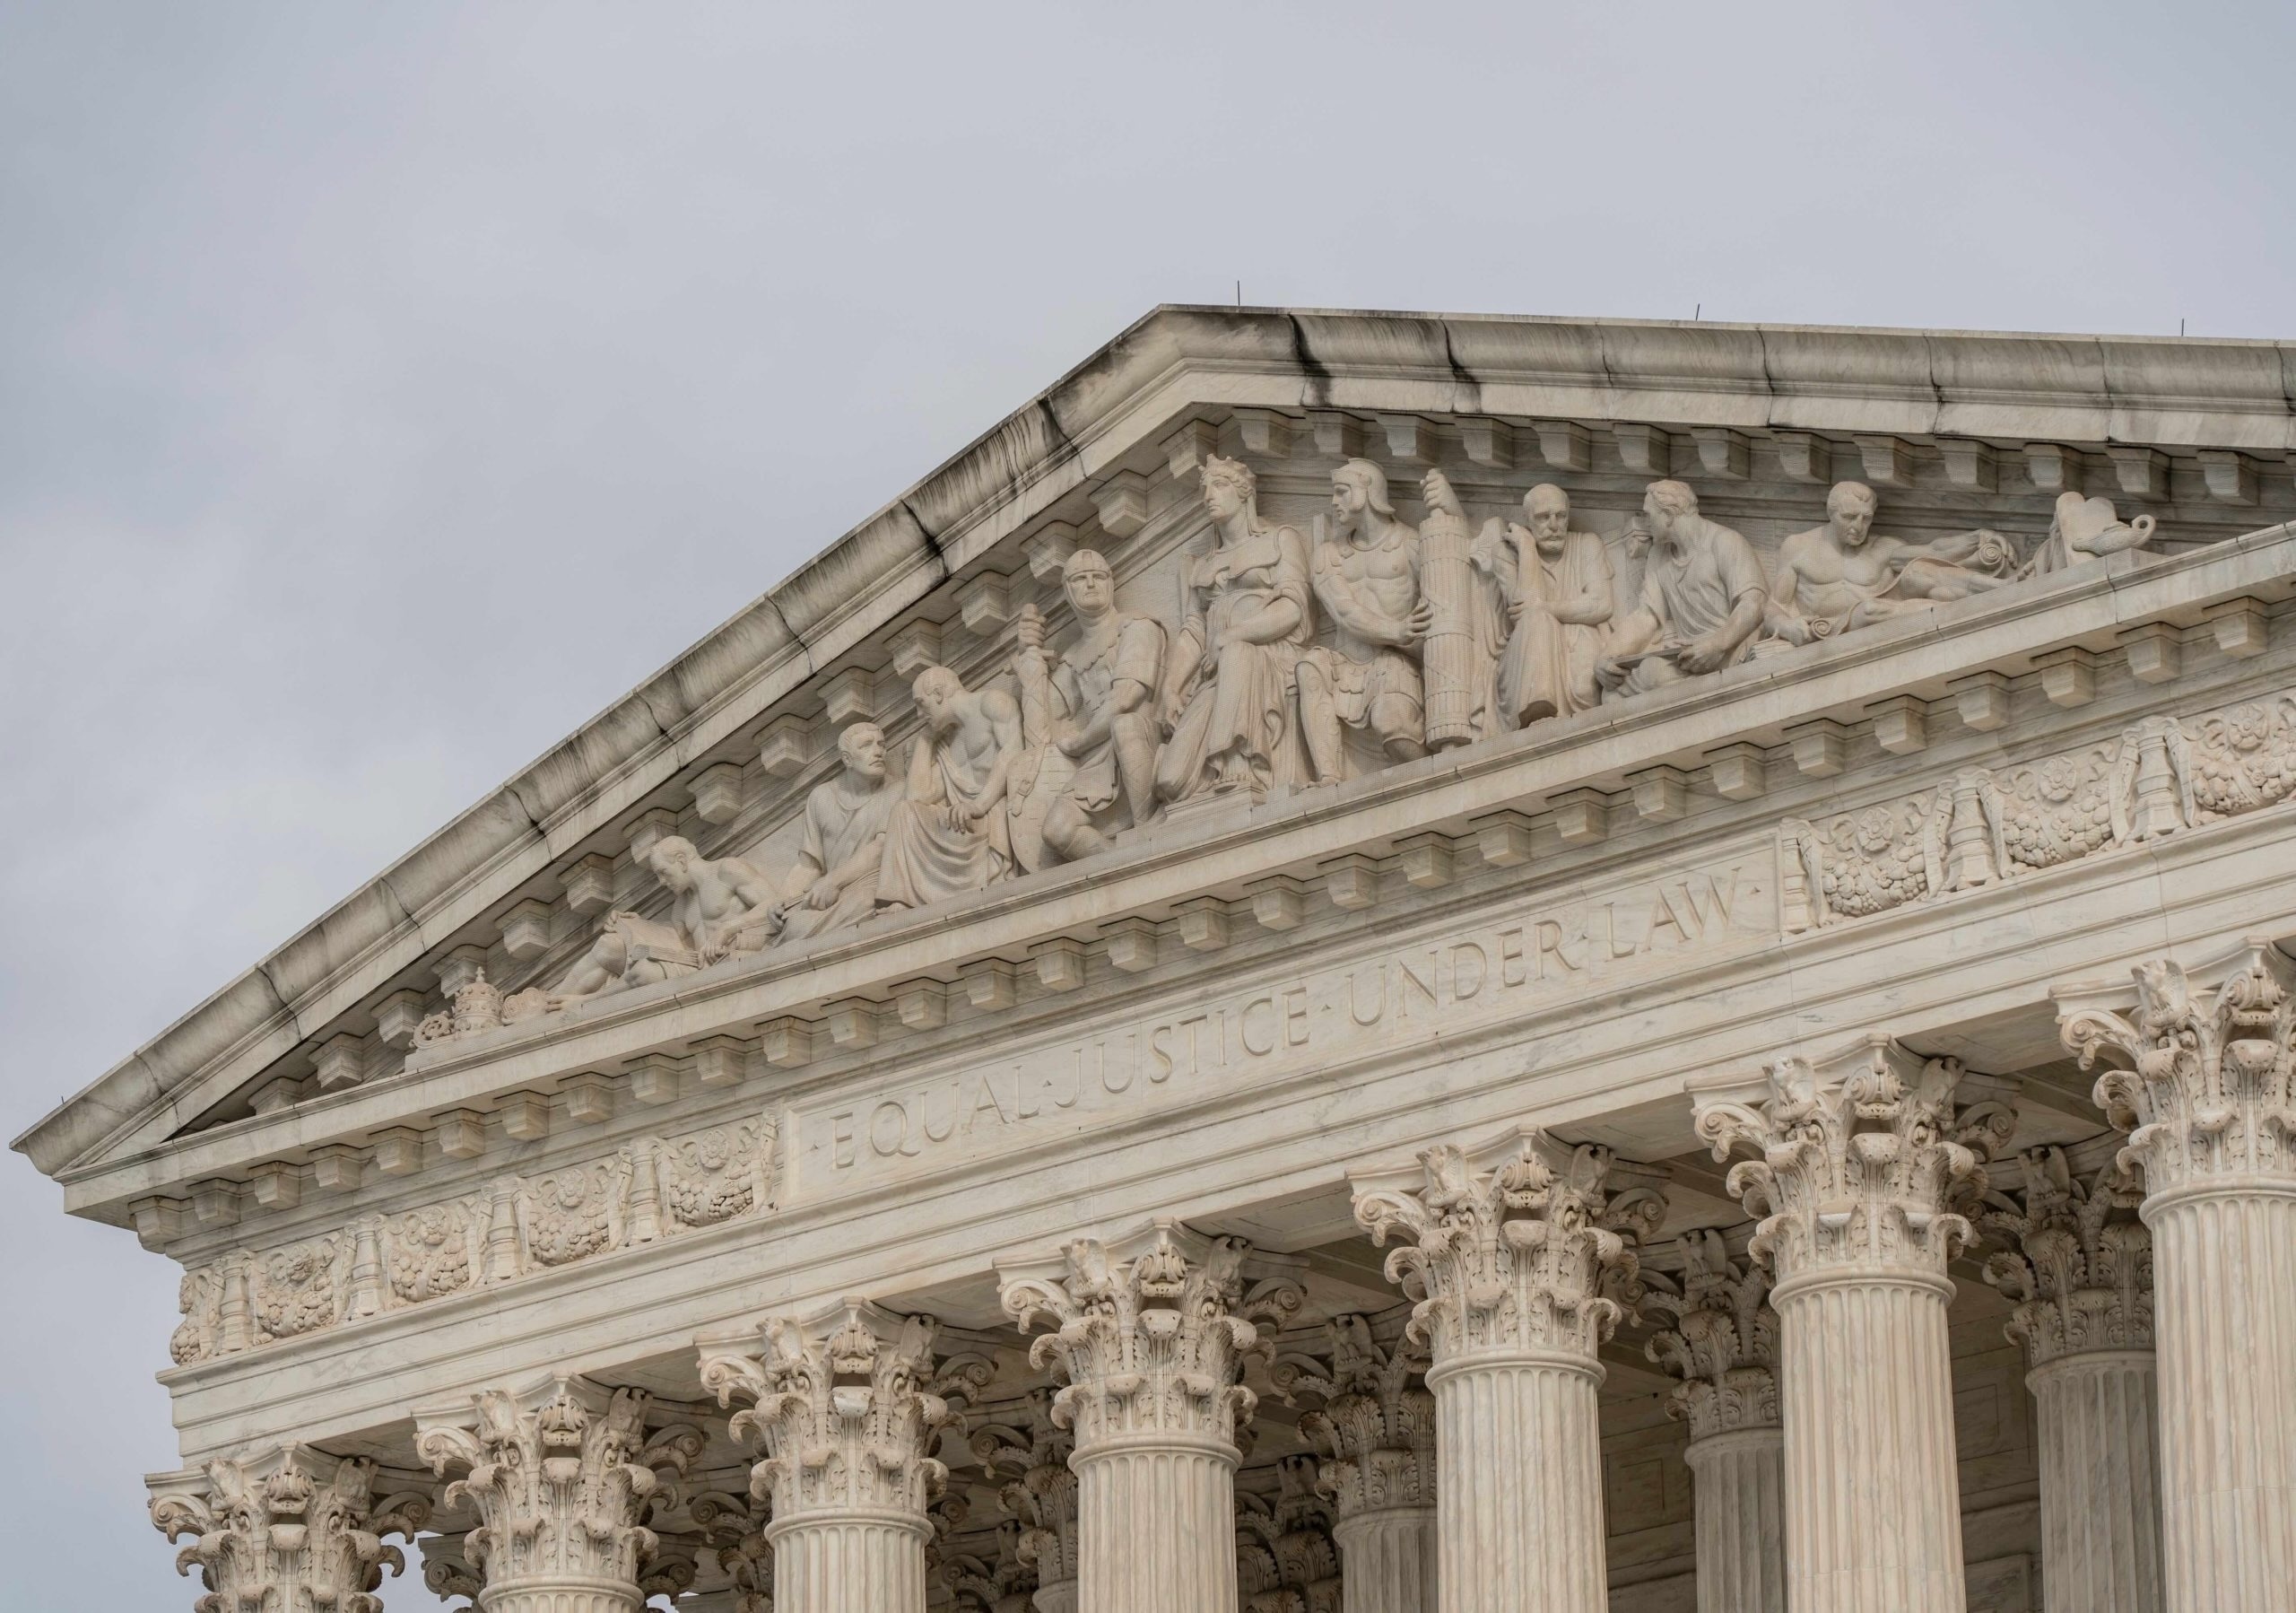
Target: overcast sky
(385,390)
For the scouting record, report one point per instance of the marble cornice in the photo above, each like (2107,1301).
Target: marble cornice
(1762,703)
(1109,411)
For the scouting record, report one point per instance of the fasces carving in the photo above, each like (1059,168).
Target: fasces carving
(1703,594)
(1557,595)
(1229,698)
(847,1407)
(1088,721)
(1030,1457)
(833,884)
(1376,1422)
(1866,1160)
(1366,569)
(654,1188)
(1534,1250)
(2163,775)
(1843,575)
(1285,1559)
(2073,1258)
(1718,1335)
(950,833)
(563,1478)
(295,1532)
(2205,1080)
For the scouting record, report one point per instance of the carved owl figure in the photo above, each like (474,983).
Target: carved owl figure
(1874,859)
(2056,810)
(2245,758)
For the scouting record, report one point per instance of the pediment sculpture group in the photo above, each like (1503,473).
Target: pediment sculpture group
(1436,635)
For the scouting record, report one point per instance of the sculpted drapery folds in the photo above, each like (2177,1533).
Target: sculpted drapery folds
(1375,1426)
(1151,1337)
(1229,698)
(951,834)
(2071,1254)
(1718,1334)
(1867,1160)
(564,1478)
(1088,721)
(833,882)
(1703,594)
(1366,571)
(1534,1251)
(295,1532)
(2205,1080)
(1845,575)
(847,1407)
(1557,595)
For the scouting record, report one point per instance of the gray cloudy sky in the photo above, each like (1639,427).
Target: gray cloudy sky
(384,389)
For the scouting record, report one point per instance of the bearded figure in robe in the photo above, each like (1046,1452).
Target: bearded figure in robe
(1559,595)
(949,834)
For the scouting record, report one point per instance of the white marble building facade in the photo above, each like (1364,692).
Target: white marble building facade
(1364,962)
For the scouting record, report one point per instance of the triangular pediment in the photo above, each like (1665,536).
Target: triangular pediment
(1956,431)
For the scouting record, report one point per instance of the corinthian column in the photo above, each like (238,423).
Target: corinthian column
(292,1532)
(1376,1435)
(2079,1265)
(848,1407)
(1153,1333)
(1514,1254)
(1040,1492)
(1720,1339)
(562,1477)
(2208,1094)
(1864,1156)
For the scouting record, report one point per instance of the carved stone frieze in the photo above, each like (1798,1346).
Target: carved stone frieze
(2072,1256)
(564,1478)
(654,1188)
(293,1533)
(1533,1247)
(2204,1079)
(1151,1335)
(1375,1427)
(1866,1159)
(2161,776)
(1718,1335)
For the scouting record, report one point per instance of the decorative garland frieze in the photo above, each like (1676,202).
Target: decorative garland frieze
(652,1189)
(2161,776)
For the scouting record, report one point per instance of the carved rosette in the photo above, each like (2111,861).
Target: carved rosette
(2073,1258)
(2207,1084)
(848,1407)
(1375,1428)
(295,1532)
(1719,1336)
(1039,1488)
(1866,1162)
(1152,1336)
(1285,1558)
(563,1478)
(1530,1247)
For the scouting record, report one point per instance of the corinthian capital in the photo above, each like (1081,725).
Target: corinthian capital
(1375,1428)
(1526,1243)
(847,1406)
(1030,1455)
(563,1477)
(2206,1076)
(1718,1335)
(2072,1256)
(1152,1331)
(292,1532)
(1866,1160)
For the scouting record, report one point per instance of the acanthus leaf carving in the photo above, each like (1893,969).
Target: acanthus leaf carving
(1375,1427)
(1040,1490)
(2072,1255)
(1287,1560)
(293,1533)
(1715,1333)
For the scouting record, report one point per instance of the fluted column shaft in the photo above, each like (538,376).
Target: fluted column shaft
(2096,1420)
(2225,1321)
(1387,1560)
(1740,1495)
(849,1561)
(1872,1492)
(1156,1524)
(1518,1491)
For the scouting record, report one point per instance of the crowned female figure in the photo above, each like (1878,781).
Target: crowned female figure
(1245,620)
